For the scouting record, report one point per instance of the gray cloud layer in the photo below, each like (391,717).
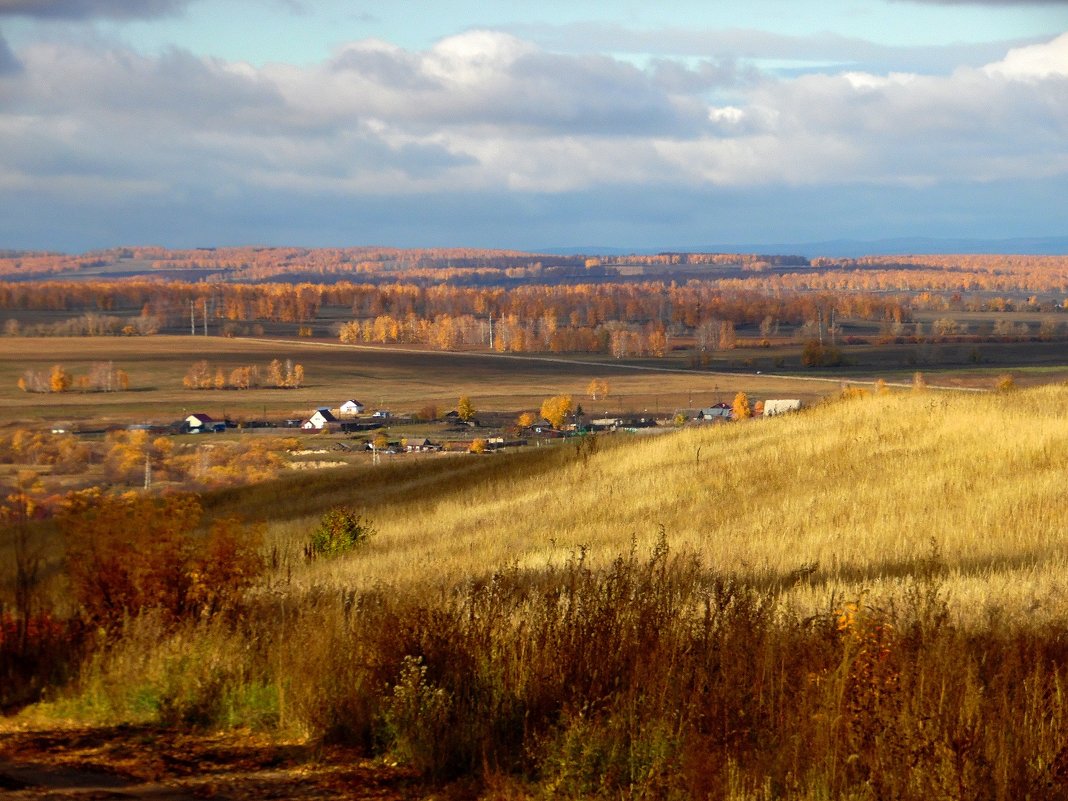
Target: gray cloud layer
(8,62)
(86,9)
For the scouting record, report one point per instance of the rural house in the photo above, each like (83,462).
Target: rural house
(319,420)
(721,411)
(351,407)
(198,423)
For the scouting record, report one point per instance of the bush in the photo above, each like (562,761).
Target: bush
(128,553)
(340,530)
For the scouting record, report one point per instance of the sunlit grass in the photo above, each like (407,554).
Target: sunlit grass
(862,489)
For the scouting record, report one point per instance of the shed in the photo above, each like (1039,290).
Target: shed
(781,406)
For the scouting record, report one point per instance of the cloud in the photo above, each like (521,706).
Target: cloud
(820,50)
(86,9)
(1035,62)
(487,115)
(9,62)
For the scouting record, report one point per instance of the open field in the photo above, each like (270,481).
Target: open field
(400,379)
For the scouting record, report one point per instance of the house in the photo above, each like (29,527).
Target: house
(605,423)
(720,411)
(319,420)
(198,423)
(781,406)
(382,414)
(351,407)
(423,445)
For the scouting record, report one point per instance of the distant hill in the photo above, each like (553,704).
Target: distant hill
(853,248)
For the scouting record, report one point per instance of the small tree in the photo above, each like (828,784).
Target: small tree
(919,383)
(740,409)
(597,389)
(59,380)
(340,530)
(465,409)
(478,446)
(525,420)
(556,409)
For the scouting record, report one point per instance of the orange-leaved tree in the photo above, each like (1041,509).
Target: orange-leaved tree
(59,380)
(556,409)
(465,409)
(740,409)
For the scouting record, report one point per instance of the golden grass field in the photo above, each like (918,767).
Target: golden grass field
(861,493)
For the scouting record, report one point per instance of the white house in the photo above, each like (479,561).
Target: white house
(195,423)
(782,406)
(319,420)
(351,407)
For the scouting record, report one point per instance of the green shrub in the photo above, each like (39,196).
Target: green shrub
(340,530)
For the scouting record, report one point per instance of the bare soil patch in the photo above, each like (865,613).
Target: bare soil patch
(124,762)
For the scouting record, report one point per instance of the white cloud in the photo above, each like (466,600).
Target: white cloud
(1035,62)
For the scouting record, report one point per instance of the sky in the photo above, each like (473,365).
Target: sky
(681,125)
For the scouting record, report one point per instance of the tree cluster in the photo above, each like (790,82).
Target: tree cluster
(101,377)
(278,374)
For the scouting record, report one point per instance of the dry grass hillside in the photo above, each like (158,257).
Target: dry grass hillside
(849,496)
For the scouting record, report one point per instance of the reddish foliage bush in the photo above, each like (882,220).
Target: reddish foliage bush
(126,553)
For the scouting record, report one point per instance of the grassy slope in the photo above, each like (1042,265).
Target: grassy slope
(869,489)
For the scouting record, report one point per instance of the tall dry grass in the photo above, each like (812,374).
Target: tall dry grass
(863,601)
(651,677)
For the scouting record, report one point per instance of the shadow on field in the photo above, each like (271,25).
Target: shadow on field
(931,567)
(368,487)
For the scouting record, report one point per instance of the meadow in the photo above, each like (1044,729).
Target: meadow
(863,600)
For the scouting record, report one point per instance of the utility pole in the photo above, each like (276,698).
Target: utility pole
(192,319)
(205,316)
(148,472)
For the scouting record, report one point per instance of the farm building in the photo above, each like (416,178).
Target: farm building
(423,445)
(781,406)
(720,411)
(319,420)
(351,407)
(199,423)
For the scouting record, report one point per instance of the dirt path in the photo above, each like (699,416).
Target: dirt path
(126,762)
(609,365)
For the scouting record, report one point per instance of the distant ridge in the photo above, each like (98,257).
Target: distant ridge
(851,248)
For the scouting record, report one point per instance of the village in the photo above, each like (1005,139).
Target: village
(462,430)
